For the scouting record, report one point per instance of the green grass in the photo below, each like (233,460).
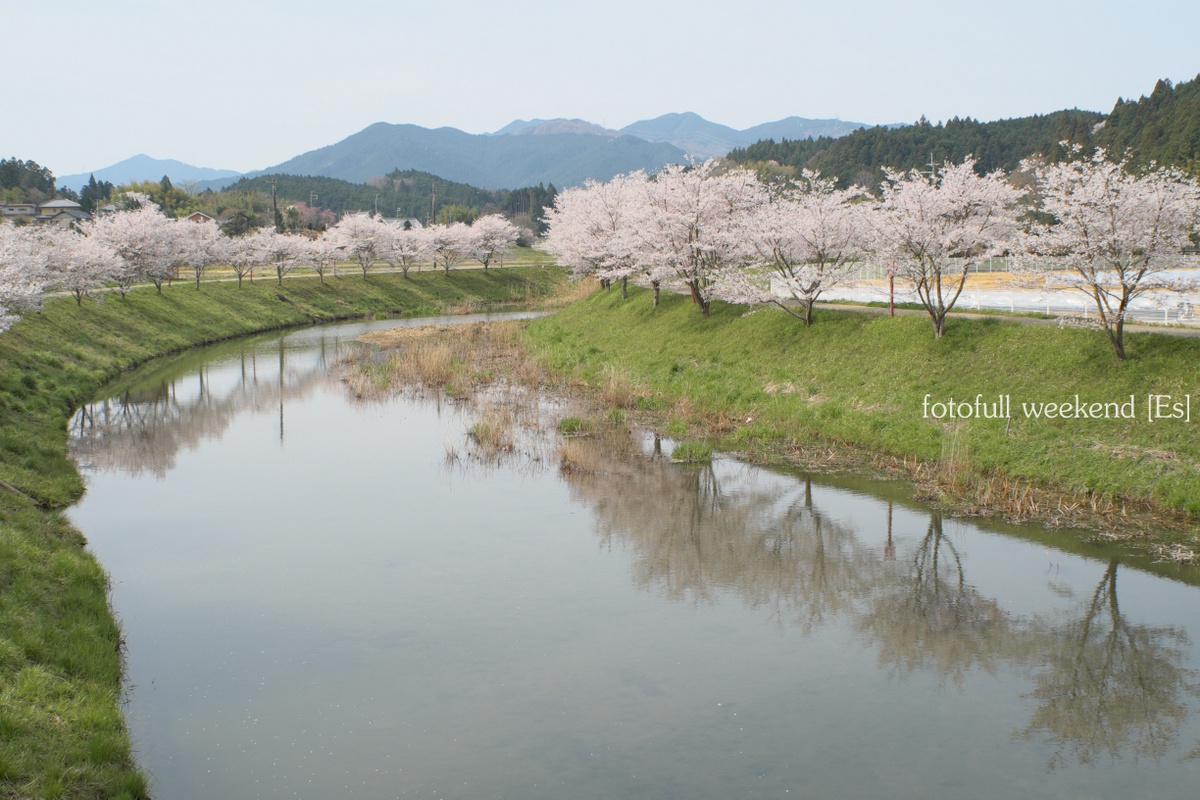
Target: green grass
(693,451)
(861,379)
(61,730)
(575,426)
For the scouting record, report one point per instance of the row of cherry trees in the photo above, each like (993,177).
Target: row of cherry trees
(141,245)
(1089,223)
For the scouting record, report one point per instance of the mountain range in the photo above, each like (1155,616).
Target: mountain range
(565,152)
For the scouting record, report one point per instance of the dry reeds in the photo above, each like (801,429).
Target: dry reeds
(572,291)
(617,389)
(458,359)
(492,432)
(954,468)
(578,456)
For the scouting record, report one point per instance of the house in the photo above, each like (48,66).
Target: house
(199,216)
(18,209)
(62,212)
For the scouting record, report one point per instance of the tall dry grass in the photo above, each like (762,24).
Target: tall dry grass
(571,292)
(617,388)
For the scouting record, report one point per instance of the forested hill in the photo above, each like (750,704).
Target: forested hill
(1164,127)
(859,157)
(403,193)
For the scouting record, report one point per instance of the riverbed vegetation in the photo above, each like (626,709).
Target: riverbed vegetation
(61,730)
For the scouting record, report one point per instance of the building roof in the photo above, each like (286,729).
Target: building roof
(60,203)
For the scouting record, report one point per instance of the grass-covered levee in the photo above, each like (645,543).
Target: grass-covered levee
(861,388)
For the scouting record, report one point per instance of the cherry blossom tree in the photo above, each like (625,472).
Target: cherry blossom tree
(199,245)
(1111,233)
(588,229)
(935,227)
(409,246)
(318,253)
(364,239)
(807,238)
(491,237)
(282,252)
(448,244)
(687,225)
(146,241)
(22,275)
(242,256)
(76,263)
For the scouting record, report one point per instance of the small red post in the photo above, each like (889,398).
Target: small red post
(891,291)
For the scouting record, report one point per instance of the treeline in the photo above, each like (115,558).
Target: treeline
(405,194)
(26,182)
(1163,128)
(860,157)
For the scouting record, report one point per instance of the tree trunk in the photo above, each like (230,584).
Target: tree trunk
(656,287)
(1117,337)
(625,287)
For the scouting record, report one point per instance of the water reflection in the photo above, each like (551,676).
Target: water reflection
(1102,684)
(924,614)
(144,428)
(1106,685)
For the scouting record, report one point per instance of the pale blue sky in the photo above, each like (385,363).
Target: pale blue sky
(244,85)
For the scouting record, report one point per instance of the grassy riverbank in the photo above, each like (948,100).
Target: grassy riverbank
(61,731)
(858,382)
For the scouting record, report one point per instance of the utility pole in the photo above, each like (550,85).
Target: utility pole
(275,209)
(932,173)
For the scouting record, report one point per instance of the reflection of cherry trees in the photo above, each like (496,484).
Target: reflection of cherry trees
(143,429)
(699,532)
(926,615)
(1102,684)
(1109,686)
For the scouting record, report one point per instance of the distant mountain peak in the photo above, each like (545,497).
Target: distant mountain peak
(142,167)
(542,127)
(701,138)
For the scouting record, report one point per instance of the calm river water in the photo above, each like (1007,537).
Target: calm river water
(318,604)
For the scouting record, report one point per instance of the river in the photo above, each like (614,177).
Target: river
(325,596)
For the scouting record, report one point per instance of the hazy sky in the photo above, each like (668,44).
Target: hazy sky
(247,84)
